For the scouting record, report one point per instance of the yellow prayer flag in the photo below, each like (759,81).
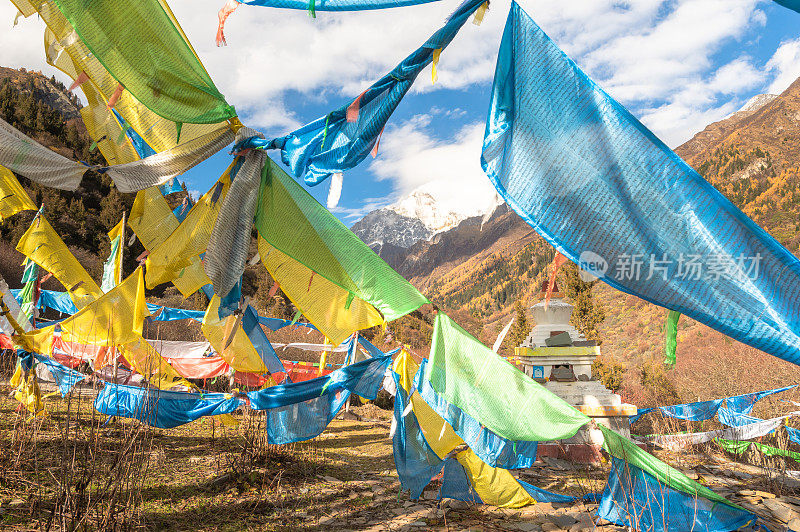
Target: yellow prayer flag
(114,319)
(493,485)
(229,340)
(143,357)
(152,221)
(42,245)
(336,312)
(178,255)
(13,198)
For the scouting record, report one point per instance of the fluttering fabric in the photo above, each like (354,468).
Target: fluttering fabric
(636,499)
(628,452)
(486,387)
(739,447)
(335,5)
(159,168)
(610,196)
(141,147)
(13,198)
(456,485)
(64,377)
(743,404)
(109,135)
(248,336)
(363,378)
(153,222)
(333,277)
(230,340)
(170,187)
(228,245)
(16,312)
(162,408)
(41,244)
(794,5)
(27,298)
(491,448)
(66,51)
(23,155)
(169,79)
(115,318)
(794,435)
(159,313)
(301,411)
(27,157)
(61,302)
(177,255)
(414,460)
(423,441)
(343,138)
(112,268)
(754,428)
(142,357)
(671,338)
(703,410)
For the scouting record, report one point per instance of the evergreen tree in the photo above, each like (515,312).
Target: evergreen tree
(520,329)
(588,313)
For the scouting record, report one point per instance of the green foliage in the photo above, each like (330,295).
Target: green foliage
(520,329)
(588,313)
(609,372)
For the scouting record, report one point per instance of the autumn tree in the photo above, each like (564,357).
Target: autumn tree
(588,313)
(520,329)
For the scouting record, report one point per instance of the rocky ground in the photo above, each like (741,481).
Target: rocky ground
(204,476)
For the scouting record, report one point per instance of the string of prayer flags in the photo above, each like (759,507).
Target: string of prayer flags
(333,143)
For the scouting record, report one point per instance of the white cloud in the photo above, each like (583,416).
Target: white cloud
(661,58)
(413,159)
(22,45)
(785,64)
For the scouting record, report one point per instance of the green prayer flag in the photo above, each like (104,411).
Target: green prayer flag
(627,451)
(141,46)
(482,384)
(739,447)
(29,277)
(671,337)
(295,223)
(109,280)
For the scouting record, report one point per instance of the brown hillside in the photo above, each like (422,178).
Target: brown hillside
(750,157)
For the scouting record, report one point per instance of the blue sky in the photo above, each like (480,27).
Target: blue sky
(677,65)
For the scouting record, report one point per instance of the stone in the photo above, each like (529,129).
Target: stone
(557,463)
(550,527)
(791,500)
(741,475)
(780,510)
(563,520)
(794,525)
(691,474)
(763,494)
(351,416)
(330,479)
(418,523)
(525,527)
(454,504)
